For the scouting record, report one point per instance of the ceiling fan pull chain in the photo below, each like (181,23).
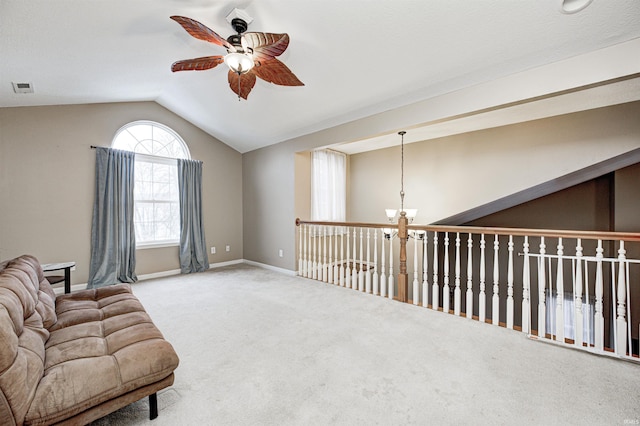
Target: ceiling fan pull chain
(238,87)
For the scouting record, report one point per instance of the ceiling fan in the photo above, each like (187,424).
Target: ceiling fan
(249,55)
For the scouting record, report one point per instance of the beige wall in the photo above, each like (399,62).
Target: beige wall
(268,193)
(450,175)
(442,177)
(627,199)
(47,182)
(303,185)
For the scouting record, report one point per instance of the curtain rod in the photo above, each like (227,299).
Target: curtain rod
(145,155)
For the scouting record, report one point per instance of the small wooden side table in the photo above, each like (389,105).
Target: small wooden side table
(48,267)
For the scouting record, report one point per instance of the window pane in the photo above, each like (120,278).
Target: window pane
(156,212)
(140,131)
(125,141)
(145,146)
(162,172)
(143,221)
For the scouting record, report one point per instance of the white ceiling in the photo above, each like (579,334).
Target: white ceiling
(356,58)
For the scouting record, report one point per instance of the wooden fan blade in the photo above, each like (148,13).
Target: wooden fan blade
(197,64)
(200,31)
(274,71)
(242,88)
(266,45)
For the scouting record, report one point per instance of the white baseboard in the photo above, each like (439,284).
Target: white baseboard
(271,267)
(177,271)
(158,274)
(228,263)
(161,274)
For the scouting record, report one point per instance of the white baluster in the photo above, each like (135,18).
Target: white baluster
(354,269)
(578,335)
(482,298)
(336,262)
(375,278)
(510,285)
(435,292)
(341,271)
(560,294)
(314,265)
(383,277)
(361,273)
(542,288)
(391,278)
(621,322)
(300,268)
(457,294)
(469,303)
(495,307)
(425,283)
(331,263)
(598,326)
(325,275)
(347,270)
(445,288)
(526,286)
(367,276)
(305,261)
(416,283)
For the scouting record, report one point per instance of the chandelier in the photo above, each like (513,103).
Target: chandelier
(391,214)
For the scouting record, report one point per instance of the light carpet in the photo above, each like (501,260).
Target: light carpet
(258,347)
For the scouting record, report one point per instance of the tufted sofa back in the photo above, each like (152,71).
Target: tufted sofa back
(27,310)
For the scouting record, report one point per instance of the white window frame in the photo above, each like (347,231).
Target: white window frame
(154,159)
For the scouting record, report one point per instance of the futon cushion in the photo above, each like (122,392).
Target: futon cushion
(25,307)
(99,348)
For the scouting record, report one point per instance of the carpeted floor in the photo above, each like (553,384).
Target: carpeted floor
(260,348)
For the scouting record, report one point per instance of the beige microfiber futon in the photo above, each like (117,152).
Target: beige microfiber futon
(77,357)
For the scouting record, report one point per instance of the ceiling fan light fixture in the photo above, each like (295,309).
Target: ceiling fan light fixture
(239,63)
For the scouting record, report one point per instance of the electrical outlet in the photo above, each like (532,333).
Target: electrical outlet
(213,250)
(228,248)
(281,253)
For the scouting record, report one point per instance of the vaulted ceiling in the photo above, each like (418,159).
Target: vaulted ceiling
(357,58)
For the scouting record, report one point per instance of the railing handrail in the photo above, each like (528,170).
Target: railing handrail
(531,232)
(349,224)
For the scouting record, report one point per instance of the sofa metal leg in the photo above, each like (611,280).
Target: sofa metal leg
(153,406)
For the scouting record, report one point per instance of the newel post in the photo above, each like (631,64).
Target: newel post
(403,278)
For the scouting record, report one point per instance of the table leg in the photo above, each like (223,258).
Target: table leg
(67,280)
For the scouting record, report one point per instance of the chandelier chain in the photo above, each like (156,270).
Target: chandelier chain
(402,133)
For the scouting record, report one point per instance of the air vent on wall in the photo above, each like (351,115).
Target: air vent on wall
(22,87)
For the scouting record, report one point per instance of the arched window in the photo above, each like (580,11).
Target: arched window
(157,210)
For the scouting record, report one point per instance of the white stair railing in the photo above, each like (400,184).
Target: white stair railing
(581,294)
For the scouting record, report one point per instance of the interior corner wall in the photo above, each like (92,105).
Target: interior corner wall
(302,192)
(47,177)
(583,207)
(269,206)
(446,176)
(627,199)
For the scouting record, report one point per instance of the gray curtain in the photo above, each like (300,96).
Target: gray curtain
(193,248)
(113,242)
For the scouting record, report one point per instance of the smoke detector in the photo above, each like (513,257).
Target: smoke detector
(22,87)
